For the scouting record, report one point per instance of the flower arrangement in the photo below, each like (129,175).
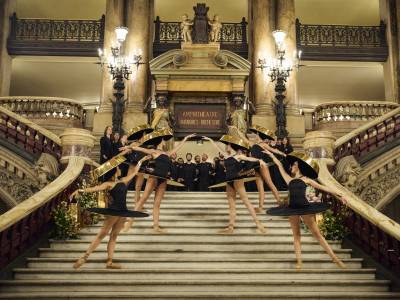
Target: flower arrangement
(66,225)
(332,225)
(87,200)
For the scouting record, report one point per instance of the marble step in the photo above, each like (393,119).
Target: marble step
(191,246)
(120,254)
(194,262)
(195,274)
(203,295)
(193,286)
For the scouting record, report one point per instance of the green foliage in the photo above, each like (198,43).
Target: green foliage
(87,200)
(332,225)
(66,226)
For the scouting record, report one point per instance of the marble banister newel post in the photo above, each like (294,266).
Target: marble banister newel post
(76,142)
(319,144)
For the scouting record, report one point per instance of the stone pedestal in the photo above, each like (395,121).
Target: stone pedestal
(76,142)
(319,144)
(7,8)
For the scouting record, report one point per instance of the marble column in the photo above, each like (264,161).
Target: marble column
(391,72)
(139,22)
(7,8)
(286,21)
(262,46)
(114,18)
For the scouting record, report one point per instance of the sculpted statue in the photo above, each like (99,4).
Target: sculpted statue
(347,171)
(216,26)
(186,28)
(163,117)
(46,169)
(237,118)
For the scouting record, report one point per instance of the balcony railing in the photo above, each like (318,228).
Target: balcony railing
(342,42)
(55,37)
(168,36)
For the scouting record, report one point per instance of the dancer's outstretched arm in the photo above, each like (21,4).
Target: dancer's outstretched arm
(273,150)
(285,175)
(180,145)
(96,188)
(249,158)
(130,175)
(324,188)
(220,149)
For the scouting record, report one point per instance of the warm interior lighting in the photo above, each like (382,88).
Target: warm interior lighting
(121,33)
(279,36)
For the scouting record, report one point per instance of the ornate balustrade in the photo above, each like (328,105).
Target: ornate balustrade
(168,36)
(55,37)
(342,42)
(27,135)
(369,137)
(375,233)
(353,111)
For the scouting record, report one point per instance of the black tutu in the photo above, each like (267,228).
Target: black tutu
(117,212)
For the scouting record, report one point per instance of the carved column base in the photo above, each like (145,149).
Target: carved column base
(76,142)
(319,144)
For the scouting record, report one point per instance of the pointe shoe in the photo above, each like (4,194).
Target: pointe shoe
(80,262)
(260,228)
(158,229)
(111,265)
(340,264)
(127,226)
(227,230)
(299,265)
(259,209)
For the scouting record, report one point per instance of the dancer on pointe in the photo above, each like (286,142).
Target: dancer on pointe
(132,157)
(115,213)
(234,180)
(303,170)
(158,175)
(263,174)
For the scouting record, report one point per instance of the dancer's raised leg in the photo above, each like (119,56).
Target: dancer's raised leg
(266,175)
(231,196)
(261,193)
(239,187)
(107,225)
(138,186)
(309,220)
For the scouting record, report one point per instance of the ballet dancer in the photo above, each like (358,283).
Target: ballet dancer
(115,213)
(303,172)
(234,180)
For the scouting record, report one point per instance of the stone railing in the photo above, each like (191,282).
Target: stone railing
(21,226)
(27,135)
(50,112)
(350,111)
(377,234)
(369,137)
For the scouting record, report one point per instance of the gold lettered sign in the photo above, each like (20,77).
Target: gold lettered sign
(200,118)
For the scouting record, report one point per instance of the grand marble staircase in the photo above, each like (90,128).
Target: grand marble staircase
(192,261)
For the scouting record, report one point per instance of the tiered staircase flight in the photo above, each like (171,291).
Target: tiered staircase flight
(192,261)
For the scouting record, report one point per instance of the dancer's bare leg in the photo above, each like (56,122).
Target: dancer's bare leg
(117,227)
(264,171)
(138,186)
(261,193)
(150,185)
(309,220)
(239,187)
(160,190)
(107,225)
(295,225)
(231,196)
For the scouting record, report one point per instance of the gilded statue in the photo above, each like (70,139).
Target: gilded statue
(238,118)
(216,26)
(163,117)
(186,28)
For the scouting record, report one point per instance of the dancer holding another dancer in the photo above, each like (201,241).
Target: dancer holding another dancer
(116,212)
(303,170)
(158,175)
(235,179)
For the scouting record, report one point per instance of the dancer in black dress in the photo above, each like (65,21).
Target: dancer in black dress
(303,171)
(234,179)
(115,213)
(158,175)
(132,157)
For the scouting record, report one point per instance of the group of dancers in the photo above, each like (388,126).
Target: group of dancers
(145,159)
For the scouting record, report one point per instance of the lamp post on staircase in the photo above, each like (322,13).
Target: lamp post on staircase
(119,66)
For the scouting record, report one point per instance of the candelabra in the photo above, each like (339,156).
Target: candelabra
(120,68)
(279,69)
